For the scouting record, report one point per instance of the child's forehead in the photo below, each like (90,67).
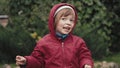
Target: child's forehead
(69,17)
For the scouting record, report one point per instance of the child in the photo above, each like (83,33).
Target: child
(60,48)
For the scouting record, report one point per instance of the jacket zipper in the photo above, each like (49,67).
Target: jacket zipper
(63,51)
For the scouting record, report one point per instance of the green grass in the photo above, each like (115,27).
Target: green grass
(113,58)
(12,65)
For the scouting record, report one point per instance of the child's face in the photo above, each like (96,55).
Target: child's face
(65,24)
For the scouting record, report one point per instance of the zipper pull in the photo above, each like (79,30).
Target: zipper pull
(62,44)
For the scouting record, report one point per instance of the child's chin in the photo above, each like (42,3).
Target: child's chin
(65,33)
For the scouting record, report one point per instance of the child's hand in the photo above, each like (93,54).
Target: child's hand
(87,66)
(20,60)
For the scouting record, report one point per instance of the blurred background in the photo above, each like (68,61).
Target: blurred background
(24,22)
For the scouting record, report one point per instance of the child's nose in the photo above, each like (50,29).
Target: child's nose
(68,22)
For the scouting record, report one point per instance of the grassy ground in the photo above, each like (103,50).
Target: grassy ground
(111,61)
(114,58)
(12,65)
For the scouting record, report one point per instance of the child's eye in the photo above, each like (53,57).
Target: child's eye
(71,20)
(63,18)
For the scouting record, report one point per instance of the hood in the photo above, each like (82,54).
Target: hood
(51,17)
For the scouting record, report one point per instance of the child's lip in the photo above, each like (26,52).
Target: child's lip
(68,28)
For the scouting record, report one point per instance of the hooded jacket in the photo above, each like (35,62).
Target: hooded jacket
(51,52)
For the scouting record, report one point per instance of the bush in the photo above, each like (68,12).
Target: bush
(14,42)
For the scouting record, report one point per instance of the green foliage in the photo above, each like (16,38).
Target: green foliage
(4,7)
(113,7)
(14,42)
(31,15)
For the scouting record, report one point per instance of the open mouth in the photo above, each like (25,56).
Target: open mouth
(66,28)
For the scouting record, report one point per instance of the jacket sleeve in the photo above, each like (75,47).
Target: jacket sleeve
(85,55)
(35,60)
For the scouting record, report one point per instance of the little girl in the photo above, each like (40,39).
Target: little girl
(60,48)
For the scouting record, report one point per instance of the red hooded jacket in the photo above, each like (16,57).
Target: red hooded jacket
(50,52)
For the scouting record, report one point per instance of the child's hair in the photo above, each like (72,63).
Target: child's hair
(63,13)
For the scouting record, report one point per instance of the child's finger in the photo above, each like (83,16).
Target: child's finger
(19,58)
(18,63)
(87,66)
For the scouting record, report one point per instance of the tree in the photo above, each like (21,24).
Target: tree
(113,7)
